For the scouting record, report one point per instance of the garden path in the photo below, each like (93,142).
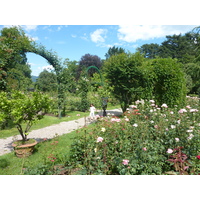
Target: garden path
(51,131)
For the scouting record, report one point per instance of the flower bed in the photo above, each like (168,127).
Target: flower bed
(146,140)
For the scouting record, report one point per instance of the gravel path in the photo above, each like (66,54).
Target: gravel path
(50,131)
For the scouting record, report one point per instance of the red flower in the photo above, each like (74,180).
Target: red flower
(198,157)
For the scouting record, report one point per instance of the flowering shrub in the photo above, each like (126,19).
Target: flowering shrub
(142,141)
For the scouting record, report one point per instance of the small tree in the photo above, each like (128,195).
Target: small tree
(127,75)
(23,109)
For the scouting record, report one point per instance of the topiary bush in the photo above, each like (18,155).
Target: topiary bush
(170,82)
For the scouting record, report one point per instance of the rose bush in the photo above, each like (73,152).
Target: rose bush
(140,142)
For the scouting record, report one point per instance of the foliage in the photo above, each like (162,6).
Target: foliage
(13,46)
(192,71)
(114,51)
(181,47)
(86,61)
(83,85)
(140,142)
(23,108)
(170,84)
(127,74)
(46,81)
(149,50)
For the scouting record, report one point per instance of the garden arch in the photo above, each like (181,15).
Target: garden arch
(55,61)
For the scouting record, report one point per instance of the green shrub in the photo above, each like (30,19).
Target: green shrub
(170,83)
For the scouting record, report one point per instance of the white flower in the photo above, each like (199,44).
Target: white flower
(190,137)
(152,121)
(193,110)
(164,105)
(177,139)
(189,131)
(103,129)
(151,101)
(135,125)
(169,151)
(172,112)
(173,126)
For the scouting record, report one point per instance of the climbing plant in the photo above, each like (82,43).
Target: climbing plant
(56,62)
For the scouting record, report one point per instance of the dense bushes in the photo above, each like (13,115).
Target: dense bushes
(170,83)
(142,142)
(132,76)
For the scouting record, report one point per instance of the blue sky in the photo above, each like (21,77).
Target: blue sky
(74,41)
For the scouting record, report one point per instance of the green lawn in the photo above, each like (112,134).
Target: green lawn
(45,151)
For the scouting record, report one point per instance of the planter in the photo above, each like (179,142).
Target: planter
(24,150)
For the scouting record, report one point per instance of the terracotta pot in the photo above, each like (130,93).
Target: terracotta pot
(24,150)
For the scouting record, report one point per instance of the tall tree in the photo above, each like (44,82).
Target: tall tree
(86,61)
(46,81)
(114,51)
(149,50)
(179,46)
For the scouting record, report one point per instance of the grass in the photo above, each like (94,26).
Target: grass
(58,146)
(44,152)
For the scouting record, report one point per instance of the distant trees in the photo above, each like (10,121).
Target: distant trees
(182,47)
(149,50)
(133,77)
(114,51)
(46,81)
(86,61)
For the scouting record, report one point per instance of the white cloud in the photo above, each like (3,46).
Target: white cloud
(31,64)
(99,35)
(84,37)
(74,36)
(30,27)
(132,33)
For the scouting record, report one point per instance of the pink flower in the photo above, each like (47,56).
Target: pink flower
(133,106)
(186,167)
(144,148)
(127,119)
(156,126)
(198,157)
(169,151)
(99,139)
(78,115)
(125,162)
(182,110)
